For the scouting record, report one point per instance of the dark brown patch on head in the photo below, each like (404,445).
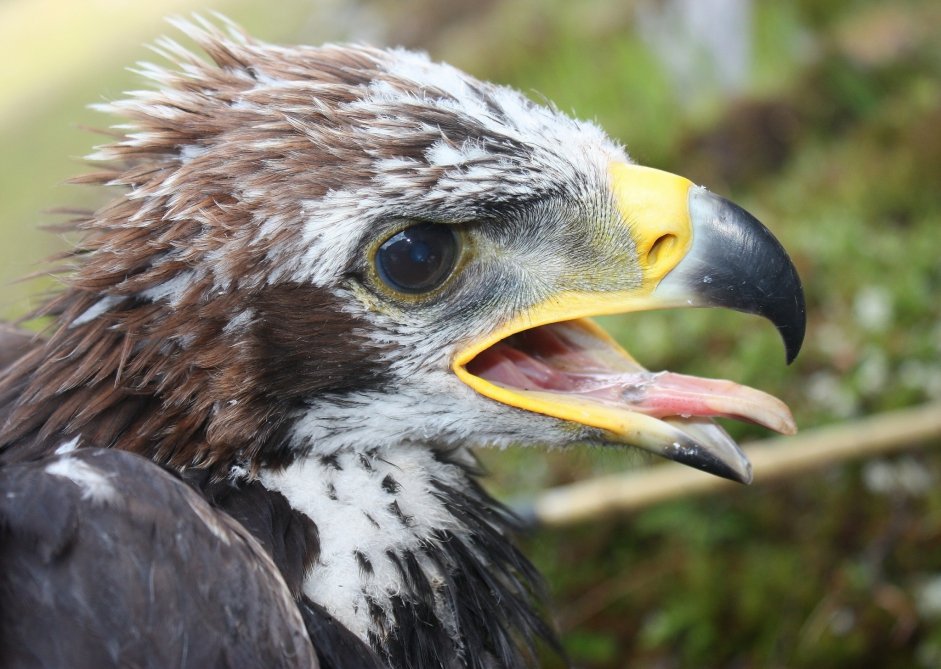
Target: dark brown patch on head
(305,345)
(179,386)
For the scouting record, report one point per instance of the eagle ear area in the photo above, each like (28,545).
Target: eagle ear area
(293,321)
(417,260)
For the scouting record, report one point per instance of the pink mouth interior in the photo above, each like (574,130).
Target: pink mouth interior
(568,359)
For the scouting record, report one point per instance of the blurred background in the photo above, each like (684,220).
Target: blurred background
(822,118)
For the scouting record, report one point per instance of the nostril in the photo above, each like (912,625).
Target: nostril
(661,248)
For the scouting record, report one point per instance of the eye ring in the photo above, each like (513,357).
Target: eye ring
(417,259)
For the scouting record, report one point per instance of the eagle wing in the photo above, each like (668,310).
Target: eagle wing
(108,560)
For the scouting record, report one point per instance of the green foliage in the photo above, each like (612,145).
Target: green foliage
(830,570)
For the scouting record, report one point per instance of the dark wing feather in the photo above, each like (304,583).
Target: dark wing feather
(288,536)
(337,647)
(108,560)
(292,541)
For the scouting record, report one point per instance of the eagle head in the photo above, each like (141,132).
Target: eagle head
(322,247)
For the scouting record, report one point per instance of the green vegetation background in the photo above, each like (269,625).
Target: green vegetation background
(833,140)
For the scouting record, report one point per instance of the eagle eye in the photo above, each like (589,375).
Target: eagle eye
(417,259)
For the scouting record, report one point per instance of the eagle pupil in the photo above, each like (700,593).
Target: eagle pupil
(417,259)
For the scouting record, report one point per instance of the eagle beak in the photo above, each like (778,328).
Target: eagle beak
(693,249)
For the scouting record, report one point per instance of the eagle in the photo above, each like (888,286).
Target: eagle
(326,274)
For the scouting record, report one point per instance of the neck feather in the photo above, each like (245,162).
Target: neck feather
(415,557)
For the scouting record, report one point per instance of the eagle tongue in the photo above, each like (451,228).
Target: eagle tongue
(667,394)
(569,359)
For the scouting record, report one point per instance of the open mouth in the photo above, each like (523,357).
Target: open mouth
(574,371)
(551,359)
